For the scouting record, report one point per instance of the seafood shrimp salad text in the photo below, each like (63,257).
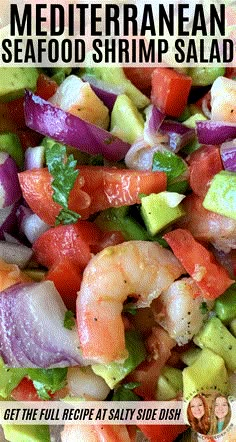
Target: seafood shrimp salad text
(118,239)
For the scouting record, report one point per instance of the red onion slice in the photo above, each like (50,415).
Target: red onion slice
(154,119)
(179,134)
(228,155)
(8,219)
(215,132)
(31,328)
(106,92)
(30,224)
(51,121)
(10,190)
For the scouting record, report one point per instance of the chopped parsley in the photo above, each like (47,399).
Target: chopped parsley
(69,320)
(130,308)
(64,173)
(124,392)
(47,381)
(203,308)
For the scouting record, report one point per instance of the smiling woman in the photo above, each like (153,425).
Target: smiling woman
(198,414)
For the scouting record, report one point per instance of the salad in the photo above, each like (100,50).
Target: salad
(118,238)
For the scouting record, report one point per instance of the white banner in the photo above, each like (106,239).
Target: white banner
(170,33)
(81,412)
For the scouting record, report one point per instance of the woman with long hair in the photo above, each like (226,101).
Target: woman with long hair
(220,414)
(198,414)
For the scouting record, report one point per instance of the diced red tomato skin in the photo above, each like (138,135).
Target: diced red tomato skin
(162,433)
(28,137)
(230,72)
(205,163)
(60,242)
(199,262)
(95,189)
(46,87)
(170,91)
(67,278)
(107,239)
(25,391)
(141,77)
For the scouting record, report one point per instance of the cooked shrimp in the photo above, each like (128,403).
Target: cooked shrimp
(11,274)
(208,226)
(140,154)
(77,97)
(96,433)
(141,269)
(178,310)
(83,382)
(223,100)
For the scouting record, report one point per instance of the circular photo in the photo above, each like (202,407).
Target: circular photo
(209,413)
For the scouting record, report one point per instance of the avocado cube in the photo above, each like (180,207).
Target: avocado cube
(225,305)
(116,76)
(159,210)
(13,81)
(126,121)
(10,143)
(204,76)
(208,372)
(169,383)
(233,327)
(221,195)
(165,391)
(191,121)
(190,356)
(26,433)
(215,336)
(10,378)
(114,372)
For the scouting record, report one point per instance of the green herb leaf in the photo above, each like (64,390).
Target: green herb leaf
(41,390)
(170,163)
(67,216)
(203,308)
(130,308)
(69,320)
(47,380)
(64,174)
(124,392)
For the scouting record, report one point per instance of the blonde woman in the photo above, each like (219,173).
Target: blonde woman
(220,414)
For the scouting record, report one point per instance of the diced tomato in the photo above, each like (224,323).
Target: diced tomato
(67,278)
(170,91)
(28,137)
(199,262)
(46,87)
(13,112)
(25,391)
(71,241)
(96,188)
(162,433)
(230,72)
(107,239)
(207,99)
(141,77)
(159,345)
(205,163)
